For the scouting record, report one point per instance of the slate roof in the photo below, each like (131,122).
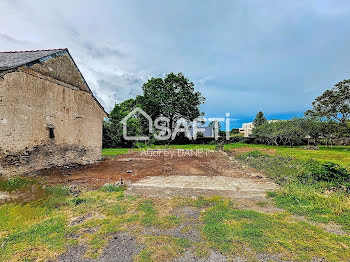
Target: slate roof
(10,60)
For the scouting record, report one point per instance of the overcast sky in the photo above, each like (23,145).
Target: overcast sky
(244,56)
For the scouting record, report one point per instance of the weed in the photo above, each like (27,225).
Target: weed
(255,153)
(78,200)
(202,250)
(306,186)
(162,248)
(111,188)
(118,209)
(306,200)
(329,172)
(144,256)
(14,183)
(183,242)
(262,203)
(168,221)
(57,197)
(286,170)
(148,211)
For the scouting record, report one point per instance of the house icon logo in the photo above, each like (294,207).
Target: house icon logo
(137,110)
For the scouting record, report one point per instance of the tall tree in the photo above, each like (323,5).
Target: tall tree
(173,97)
(333,104)
(113,128)
(259,119)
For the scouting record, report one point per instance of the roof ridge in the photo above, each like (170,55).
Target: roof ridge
(28,51)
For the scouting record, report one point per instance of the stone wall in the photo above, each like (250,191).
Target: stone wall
(44,123)
(61,68)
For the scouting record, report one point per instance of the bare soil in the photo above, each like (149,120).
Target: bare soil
(174,173)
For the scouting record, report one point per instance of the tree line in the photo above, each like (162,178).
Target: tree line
(327,120)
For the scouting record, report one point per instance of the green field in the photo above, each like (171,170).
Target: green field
(336,154)
(106,152)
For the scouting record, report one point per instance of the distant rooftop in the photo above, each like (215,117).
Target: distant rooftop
(10,60)
(208,131)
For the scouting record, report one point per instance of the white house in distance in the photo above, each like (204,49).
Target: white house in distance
(247,128)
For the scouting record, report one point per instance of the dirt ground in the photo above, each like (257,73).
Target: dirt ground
(167,173)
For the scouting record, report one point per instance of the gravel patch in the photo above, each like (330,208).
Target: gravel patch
(214,256)
(122,247)
(187,212)
(80,219)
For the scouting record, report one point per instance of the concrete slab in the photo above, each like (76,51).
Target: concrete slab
(178,185)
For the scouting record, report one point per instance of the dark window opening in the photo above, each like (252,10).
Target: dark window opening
(51,133)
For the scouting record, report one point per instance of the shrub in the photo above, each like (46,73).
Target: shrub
(280,168)
(58,191)
(328,172)
(285,170)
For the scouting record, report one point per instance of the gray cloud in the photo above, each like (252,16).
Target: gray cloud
(102,52)
(10,39)
(242,55)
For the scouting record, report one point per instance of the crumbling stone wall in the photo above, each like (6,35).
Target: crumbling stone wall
(44,123)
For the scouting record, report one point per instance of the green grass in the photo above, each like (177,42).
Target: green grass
(118,209)
(148,212)
(230,230)
(308,201)
(35,226)
(107,152)
(144,256)
(48,234)
(111,188)
(301,194)
(43,229)
(336,154)
(162,248)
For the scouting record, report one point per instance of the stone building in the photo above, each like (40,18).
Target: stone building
(48,114)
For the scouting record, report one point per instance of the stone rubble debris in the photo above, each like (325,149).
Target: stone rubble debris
(74,191)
